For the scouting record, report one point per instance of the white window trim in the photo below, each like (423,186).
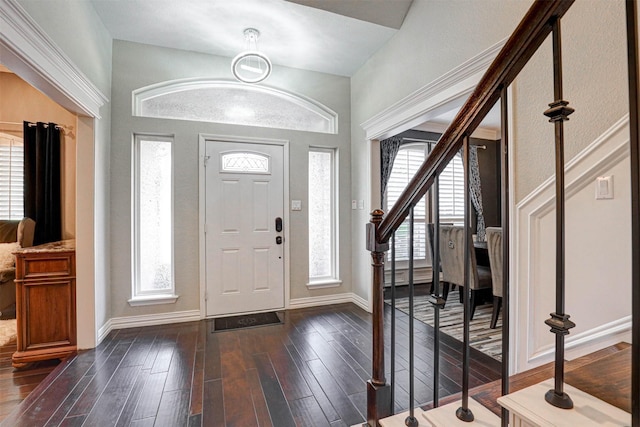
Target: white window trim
(140,298)
(334,279)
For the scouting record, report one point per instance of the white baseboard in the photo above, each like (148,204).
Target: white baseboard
(147,320)
(328,300)
(194,315)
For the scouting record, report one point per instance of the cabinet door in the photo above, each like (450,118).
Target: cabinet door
(48,314)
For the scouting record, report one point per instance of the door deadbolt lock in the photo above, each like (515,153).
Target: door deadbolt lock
(279,240)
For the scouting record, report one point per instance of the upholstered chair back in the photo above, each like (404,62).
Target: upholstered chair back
(20,231)
(494,246)
(452,256)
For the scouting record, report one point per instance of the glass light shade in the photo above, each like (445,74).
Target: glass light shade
(251,67)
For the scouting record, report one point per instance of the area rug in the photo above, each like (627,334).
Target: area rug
(245,321)
(481,337)
(8,332)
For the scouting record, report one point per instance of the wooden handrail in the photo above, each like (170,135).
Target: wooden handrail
(519,48)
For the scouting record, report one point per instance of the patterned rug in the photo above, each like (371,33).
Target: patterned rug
(8,332)
(481,337)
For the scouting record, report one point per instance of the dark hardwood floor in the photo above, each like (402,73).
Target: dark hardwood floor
(310,371)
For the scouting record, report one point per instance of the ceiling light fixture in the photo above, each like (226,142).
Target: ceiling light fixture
(251,66)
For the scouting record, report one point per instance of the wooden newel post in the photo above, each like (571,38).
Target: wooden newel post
(378,391)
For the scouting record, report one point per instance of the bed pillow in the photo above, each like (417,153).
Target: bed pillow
(7,259)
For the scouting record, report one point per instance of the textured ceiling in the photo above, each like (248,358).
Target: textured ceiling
(292,34)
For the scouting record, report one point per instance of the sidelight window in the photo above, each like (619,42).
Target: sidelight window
(153,280)
(323,252)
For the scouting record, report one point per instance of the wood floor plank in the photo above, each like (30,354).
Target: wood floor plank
(259,401)
(197,386)
(307,412)
(276,402)
(293,384)
(128,411)
(319,394)
(68,403)
(234,385)
(149,400)
(174,409)
(146,422)
(195,420)
(339,400)
(213,409)
(76,421)
(180,373)
(344,374)
(212,364)
(99,381)
(109,405)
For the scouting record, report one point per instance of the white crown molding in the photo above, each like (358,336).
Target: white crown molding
(22,42)
(147,320)
(480,133)
(432,99)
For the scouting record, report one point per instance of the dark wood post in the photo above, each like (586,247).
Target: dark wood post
(634,147)
(378,391)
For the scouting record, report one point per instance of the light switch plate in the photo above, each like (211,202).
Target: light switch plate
(296,205)
(360,204)
(354,204)
(604,187)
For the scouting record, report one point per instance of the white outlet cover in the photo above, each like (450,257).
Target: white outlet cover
(296,205)
(604,187)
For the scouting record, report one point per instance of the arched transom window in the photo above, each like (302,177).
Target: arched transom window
(233,103)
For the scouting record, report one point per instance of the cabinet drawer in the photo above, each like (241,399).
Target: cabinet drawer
(48,267)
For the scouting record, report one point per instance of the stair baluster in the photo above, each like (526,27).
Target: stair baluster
(559,322)
(464,413)
(411,420)
(504,190)
(436,299)
(392,352)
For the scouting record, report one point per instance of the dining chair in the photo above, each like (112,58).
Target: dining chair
(494,246)
(452,254)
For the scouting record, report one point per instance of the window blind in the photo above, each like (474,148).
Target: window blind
(451,192)
(11,177)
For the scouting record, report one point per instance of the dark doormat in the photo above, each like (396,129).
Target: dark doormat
(245,321)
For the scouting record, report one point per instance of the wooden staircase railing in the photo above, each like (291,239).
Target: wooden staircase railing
(540,21)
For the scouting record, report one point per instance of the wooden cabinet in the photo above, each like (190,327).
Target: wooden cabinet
(45,302)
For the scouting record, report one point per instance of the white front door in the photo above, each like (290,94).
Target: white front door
(244,206)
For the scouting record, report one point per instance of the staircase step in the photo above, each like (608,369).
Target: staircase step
(528,408)
(445,416)
(398,419)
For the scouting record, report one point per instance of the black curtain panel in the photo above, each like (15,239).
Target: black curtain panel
(42,199)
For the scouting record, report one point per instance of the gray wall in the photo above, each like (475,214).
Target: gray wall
(595,84)
(136,66)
